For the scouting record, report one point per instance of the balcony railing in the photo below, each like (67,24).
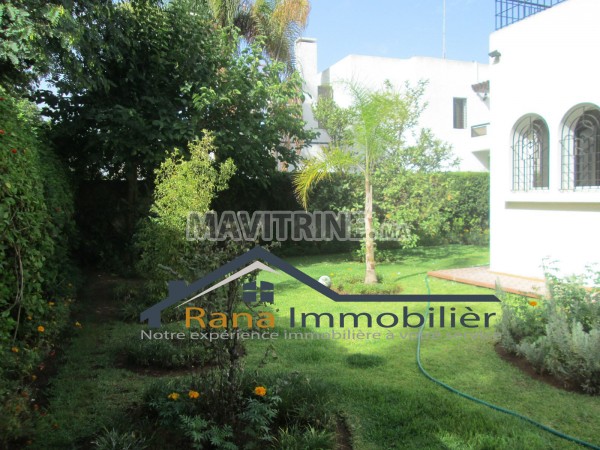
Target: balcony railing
(511,11)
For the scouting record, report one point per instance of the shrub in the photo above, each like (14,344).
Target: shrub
(169,353)
(182,186)
(559,335)
(115,440)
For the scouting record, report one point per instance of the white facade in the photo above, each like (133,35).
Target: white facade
(546,204)
(447,80)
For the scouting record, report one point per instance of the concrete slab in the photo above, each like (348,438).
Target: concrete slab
(481,276)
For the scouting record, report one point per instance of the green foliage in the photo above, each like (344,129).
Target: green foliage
(255,115)
(124,87)
(36,231)
(168,353)
(114,440)
(292,402)
(295,438)
(182,186)
(559,335)
(203,432)
(436,208)
(336,120)
(376,137)
(25,27)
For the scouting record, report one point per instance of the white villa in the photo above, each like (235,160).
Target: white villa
(456,95)
(532,117)
(545,139)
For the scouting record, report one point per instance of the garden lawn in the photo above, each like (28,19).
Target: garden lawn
(388,403)
(374,384)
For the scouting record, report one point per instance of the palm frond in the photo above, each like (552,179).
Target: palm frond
(319,168)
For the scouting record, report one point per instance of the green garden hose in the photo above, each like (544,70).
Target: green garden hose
(483,402)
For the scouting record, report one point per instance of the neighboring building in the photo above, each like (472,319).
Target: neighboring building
(545,134)
(457,95)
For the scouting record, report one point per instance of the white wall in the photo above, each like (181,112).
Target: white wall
(446,79)
(548,64)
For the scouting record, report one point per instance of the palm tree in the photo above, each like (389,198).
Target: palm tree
(363,137)
(278,22)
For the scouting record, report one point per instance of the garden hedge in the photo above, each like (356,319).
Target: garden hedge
(36,233)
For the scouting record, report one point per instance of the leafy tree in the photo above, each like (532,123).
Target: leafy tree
(25,28)
(124,89)
(142,76)
(251,108)
(376,135)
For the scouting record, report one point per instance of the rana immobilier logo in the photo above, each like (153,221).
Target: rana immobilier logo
(257,259)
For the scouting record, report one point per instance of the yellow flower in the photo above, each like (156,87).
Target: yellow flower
(77,324)
(331,274)
(33,377)
(41,329)
(260,391)
(173,396)
(14,350)
(533,303)
(194,394)
(51,303)
(29,317)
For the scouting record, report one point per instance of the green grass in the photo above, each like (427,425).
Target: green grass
(388,402)
(375,384)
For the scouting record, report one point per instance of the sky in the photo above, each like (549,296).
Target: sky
(400,28)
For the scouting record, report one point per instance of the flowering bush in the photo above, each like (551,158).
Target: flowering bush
(560,334)
(258,416)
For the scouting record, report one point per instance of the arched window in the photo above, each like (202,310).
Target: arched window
(531,154)
(581,148)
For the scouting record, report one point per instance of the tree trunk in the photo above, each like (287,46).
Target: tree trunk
(132,197)
(370,275)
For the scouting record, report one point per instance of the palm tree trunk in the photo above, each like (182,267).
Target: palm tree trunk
(370,275)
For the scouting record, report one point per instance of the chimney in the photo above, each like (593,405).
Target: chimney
(306,63)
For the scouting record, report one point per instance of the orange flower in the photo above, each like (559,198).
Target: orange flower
(15,349)
(261,391)
(194,394)
(173,396)
(41,329)
(533,303)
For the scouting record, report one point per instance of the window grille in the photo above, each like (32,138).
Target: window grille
(581,149)
(531,154)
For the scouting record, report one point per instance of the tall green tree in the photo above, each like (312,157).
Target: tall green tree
(377,132)
(253,112)
(143,76)
(124,89)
